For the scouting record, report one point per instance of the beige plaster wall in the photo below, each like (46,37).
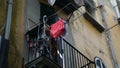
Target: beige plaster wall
(16,36)
(93,43)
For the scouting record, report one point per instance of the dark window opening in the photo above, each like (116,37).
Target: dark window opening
(50,12)
(68,6)
(90,6)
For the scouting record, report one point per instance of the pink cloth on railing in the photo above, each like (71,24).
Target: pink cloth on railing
(57,28)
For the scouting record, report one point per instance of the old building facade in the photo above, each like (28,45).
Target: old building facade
(91,32)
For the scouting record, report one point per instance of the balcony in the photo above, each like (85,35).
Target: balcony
(73,58)
(42,62)
(96,24)
(67,57)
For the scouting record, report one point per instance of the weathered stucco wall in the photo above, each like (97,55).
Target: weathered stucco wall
(87,39)
(111,21)
(16,36)
(2,15)
(92,43)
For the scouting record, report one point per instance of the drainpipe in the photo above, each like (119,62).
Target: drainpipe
(108,38)
(8,20)
(5,40)
(115,6)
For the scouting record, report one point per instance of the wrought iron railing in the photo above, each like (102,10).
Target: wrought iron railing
(67,56)
(72,58)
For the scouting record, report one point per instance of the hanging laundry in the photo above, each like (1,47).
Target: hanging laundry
(57,28)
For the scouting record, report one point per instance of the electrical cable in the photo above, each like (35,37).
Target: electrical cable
(111,27)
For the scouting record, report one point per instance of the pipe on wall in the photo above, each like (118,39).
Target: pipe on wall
(5,40)
(115,6)
(8,19)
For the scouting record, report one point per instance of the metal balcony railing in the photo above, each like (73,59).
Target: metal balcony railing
(72,58)
(67,57)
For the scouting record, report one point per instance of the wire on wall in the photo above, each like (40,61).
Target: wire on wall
(111,27)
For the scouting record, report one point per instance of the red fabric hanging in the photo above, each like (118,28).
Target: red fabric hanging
(57,28)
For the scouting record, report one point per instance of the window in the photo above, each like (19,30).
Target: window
(68,5)
(50,12)
(90,14)
(90,6)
